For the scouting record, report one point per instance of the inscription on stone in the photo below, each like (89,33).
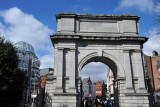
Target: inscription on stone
(98,26)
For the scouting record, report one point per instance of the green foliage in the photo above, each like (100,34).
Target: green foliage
(11,78)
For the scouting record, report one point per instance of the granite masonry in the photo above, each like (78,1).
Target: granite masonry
(111,39)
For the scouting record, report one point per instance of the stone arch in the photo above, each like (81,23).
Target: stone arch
(107,59)
(104,38)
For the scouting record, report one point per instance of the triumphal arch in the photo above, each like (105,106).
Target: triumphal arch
(111,39)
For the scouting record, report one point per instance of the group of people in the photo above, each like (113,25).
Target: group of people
(103,103)
(97,103)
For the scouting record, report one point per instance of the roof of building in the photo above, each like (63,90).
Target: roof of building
(24,46)
(103,16)
(100,82)
(86,80)
(45,71)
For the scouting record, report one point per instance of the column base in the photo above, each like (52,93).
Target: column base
(129,90)
(72,90)
(64,100)
(136,100)
(58,90)
(141,90)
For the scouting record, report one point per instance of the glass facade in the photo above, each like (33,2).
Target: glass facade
(29,63)
(25,53)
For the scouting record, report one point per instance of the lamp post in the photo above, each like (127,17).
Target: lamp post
(34,91)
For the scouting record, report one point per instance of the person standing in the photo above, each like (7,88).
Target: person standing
(96,102)
(101,104)
(86,104)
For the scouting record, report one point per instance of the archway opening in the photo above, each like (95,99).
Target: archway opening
(97,71)
(97,81)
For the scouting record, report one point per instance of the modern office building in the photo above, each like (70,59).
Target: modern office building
(29,63)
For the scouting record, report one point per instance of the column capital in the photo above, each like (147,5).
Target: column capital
(60,48)
(126,50)
(138,50)
(72,49)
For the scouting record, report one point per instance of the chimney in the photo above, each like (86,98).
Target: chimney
(154,53)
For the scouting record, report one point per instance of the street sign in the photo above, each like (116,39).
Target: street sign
(33,96)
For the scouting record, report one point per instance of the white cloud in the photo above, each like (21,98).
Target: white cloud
(47,61)
(19,26)
(99,77)
(97,71)
(153,42)
(142,5)
(82,7)
(86,9)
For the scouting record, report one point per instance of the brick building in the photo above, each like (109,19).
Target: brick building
(152,74)
(42,94)
(100,89)
(43,81)
(156,72)
(43,74)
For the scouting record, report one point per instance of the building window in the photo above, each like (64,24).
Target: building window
(145,63)
(146,72)
(158,63)
(158,66)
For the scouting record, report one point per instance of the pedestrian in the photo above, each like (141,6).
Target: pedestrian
(86,104)
(106,103)
(110,103)
(82,103)
(96,102)
(158,105)
(26,105)
(101,104)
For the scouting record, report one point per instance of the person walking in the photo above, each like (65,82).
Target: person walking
(96,102)
(110,103)
(101,104)
(86,104)
(82,103)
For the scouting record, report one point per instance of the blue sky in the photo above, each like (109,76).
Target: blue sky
(34,20)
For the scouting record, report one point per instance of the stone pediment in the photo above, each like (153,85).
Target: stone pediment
(91,24)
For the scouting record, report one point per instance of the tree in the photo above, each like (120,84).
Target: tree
(11,78)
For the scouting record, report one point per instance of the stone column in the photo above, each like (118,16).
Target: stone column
(59,70)
(72,70)
(141,81)
(128,72)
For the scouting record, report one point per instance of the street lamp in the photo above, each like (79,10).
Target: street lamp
(34,90)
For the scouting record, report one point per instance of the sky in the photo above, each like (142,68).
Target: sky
(34,20)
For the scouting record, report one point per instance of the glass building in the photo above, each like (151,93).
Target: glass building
(25,53)
(29,63)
